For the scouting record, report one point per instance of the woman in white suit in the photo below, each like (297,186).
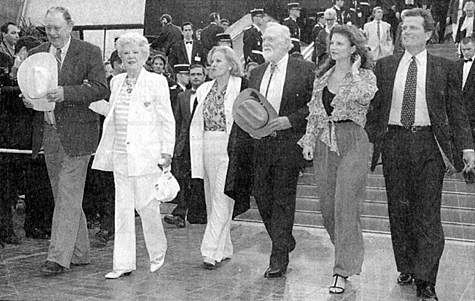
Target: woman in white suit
(209,134)
(139,132)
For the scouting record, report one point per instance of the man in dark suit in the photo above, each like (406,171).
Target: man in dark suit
(287,83)
(208,34)
(417,121)
(69,135)
(291,23)
(315,31)
(190,199)
(466,23)
(169,35)
(466,72)
(187,51)
(252,38)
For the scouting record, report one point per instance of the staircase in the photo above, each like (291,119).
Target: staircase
(449,51)
(458,198)
(458,206)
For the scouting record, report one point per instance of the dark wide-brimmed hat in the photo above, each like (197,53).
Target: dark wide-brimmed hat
(253,112)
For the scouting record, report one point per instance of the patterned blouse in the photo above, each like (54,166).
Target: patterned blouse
(121,116)
(351,102)
(213,110)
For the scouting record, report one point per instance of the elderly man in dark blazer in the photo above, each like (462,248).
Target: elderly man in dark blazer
(69,135)
(187,51)
(287,83)
(417,121)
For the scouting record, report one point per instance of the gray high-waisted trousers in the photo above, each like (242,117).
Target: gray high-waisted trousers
(341,188)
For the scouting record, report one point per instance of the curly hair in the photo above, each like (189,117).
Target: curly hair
(357,39)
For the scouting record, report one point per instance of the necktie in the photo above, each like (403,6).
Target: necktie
(409,97)
(378,30)
(188,42)
(468,60)
(272,70)
(58,58)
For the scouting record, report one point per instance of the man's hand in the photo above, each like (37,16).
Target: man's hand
(26,102)
(279,124)
(56,95)
(469,159)
(167,158)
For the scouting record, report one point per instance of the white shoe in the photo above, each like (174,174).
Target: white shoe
(118,274)
(155,265)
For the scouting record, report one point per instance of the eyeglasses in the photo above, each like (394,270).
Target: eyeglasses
(330,19)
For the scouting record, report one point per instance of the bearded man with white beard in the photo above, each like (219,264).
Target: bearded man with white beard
(287,84)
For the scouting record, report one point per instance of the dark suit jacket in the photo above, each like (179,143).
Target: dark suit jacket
(321,47)
(462,33)
(78,126)
(184,115)
(446,109)
(252,40)
(169,35)
(297,93)
(208,35)
(178,55)
(468,92)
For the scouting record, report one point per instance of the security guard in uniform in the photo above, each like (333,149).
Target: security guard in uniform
(291,23)
(252,40)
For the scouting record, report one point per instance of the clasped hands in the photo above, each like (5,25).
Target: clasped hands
(55,95)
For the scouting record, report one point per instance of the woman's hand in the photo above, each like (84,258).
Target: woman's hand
(307,152)
(165,161)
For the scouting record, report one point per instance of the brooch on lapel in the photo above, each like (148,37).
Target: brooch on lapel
(147,103)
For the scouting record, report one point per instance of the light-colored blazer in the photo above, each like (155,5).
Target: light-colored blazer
(384,45)
(197,124)
(150,126)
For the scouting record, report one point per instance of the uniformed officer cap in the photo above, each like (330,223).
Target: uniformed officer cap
(257,12)
(320,14)
(223,37)
(179,68)
(293,5)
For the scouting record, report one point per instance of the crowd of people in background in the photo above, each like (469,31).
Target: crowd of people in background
(231,127)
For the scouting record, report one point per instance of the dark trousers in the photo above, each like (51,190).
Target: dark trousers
(414,171)
(440,16)
(190,200)
(275,188)
(99,198)
(39,202)
(8,194)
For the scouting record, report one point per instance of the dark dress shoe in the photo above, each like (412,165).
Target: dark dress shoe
(175,220)
(104,236)
(12,240)
(405,279)
(274,272)
(51,268)
(426,292)
(37,233)
(80,264)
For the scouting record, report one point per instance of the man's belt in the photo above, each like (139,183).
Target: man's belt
(412,128)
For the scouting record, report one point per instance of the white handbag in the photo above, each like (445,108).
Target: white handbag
(167,186)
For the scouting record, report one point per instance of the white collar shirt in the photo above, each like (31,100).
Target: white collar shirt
(273,90)
(189,49)
(466,70)
(64,50)
(422,112)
